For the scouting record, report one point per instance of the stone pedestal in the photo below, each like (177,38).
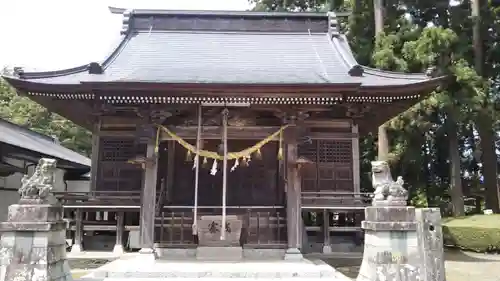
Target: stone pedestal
(293,254)
(147,255)
(33,243)
(118,250)
(430,242)
(211,247)
(210,228)
(391,246)
(76,248)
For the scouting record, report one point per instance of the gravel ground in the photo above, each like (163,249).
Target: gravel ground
(460,266)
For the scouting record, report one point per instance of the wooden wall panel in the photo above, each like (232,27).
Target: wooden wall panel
(332,167)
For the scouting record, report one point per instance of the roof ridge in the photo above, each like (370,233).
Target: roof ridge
(225,13)
(230,32)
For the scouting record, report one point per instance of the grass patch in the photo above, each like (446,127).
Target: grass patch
(479,233)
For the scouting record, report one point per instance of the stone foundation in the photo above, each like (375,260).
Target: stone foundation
(33,244)
(247,254)
(391,245)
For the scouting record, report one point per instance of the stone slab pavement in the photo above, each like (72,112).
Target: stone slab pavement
(460,266)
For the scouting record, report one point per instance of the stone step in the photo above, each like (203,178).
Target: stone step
(279,269)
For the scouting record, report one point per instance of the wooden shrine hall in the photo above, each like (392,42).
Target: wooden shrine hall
(203,119)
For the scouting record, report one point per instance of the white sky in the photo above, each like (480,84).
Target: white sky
(55,34)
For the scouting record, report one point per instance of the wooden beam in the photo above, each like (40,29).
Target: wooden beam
(117,133)
(214,132)
(346,123)
(113,121)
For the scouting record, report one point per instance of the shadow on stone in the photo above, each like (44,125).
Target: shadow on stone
(342,262)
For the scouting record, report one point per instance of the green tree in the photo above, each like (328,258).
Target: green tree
(439,132)
(24,112)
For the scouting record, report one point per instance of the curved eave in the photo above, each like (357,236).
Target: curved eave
(26,85)
(29,81)
(423,87)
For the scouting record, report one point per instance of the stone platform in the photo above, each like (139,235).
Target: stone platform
(138,269)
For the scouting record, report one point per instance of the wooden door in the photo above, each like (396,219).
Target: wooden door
(332,168)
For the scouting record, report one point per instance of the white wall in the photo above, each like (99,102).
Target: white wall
(11,184)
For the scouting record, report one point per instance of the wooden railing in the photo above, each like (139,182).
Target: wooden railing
(334,200)
(327,214)
(101,199)
(263,226)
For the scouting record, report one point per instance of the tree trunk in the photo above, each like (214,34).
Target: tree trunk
(456,192)
(489,161)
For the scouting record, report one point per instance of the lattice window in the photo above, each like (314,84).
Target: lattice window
(335,151)
(327,151)
(333,165)
(114,173)
(117,149)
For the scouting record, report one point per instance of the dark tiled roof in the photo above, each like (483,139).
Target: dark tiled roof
(230,47)
(21,137)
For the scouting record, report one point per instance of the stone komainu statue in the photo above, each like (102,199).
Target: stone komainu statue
(387,191)
(40,184)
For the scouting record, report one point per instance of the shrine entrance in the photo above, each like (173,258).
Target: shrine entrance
(255,183)
(254,194)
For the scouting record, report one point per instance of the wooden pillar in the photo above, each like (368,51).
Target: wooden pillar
(148,199)
(170,170)
(95,156)
(293,210)
(356,180)
(120,228)
(327,247)
(77,245)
